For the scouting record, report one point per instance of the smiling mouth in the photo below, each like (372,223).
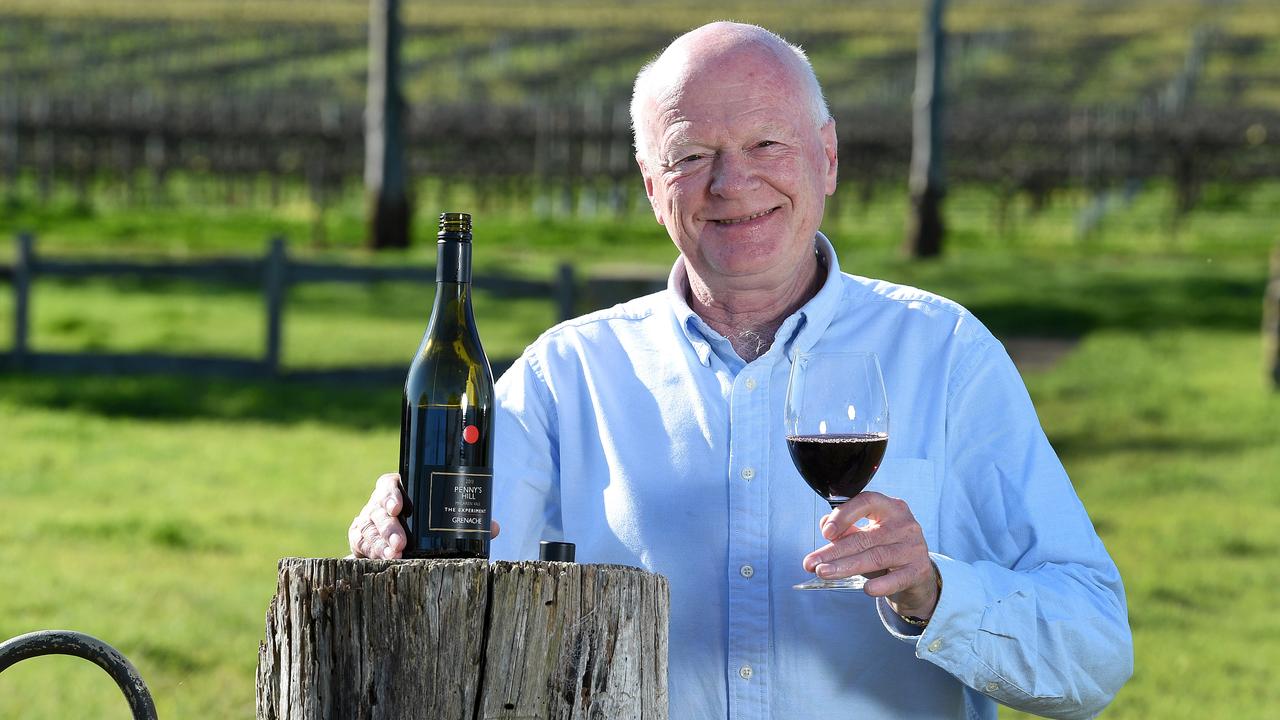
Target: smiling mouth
(748,218)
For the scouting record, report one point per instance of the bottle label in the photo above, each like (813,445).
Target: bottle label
(459,499)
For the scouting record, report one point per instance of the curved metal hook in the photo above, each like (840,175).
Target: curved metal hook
(69,642)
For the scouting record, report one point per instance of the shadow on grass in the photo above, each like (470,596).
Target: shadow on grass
(1034,297)
(1169,303)
(1094,446)
(164,397)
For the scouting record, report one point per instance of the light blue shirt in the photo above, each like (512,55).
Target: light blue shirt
(638,434)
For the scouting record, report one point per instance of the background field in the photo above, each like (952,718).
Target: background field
(150,511)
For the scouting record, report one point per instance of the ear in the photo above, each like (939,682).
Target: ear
(831,150)
(648,188)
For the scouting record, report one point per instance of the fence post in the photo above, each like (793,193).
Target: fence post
(463,639)
(565,293)
(24,258)
(273,287)
(1271,320)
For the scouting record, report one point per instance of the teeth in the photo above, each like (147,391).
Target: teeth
(745,219)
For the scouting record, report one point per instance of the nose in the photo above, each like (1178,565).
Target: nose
(732,174)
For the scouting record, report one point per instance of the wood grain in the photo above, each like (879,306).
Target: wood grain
(463,639)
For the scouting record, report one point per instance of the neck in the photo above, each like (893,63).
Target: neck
(749,318)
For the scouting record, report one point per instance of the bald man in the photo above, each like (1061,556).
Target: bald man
(651,434)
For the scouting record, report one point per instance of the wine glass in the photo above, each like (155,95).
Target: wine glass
(837,424)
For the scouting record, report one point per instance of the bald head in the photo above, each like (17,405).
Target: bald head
(700,50)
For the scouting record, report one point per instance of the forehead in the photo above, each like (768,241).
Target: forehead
(734,92)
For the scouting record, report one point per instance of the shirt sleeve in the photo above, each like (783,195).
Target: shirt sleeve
(1032,611)
(526,465)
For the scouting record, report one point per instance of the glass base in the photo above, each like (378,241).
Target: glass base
(849,584)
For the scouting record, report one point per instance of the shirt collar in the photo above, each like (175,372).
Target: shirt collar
(798,333)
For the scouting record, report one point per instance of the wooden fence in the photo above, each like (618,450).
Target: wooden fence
(274,273)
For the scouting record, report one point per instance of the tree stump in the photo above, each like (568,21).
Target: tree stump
(464,639)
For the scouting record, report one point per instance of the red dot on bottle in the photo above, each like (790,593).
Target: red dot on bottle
(471,434)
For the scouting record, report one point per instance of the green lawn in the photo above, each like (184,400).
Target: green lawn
(151,511)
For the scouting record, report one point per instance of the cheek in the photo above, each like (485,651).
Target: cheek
(676,198)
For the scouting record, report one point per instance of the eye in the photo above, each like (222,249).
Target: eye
(766,143)
(689,158)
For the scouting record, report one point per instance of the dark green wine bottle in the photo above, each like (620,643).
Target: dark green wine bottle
(446,429)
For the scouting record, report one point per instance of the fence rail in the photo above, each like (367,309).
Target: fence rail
(275,273)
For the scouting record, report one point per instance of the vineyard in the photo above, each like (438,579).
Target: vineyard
(528,105)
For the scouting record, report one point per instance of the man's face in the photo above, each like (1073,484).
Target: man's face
(739,173)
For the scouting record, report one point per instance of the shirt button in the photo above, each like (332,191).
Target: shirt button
(748,473)
(936,645)
(992,687)
(751,383)
(747,571)
(744,672)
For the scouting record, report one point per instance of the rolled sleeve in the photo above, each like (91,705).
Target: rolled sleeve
(1032,612)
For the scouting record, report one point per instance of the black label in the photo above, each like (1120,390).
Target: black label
(459,499)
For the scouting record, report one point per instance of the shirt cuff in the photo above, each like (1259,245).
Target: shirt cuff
(959,609)
(894,623)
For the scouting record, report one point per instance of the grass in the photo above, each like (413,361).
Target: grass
(150,511)
(1171,442)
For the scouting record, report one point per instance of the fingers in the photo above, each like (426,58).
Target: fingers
(355,539)
(391,535)
(386,493)
(880,509)
(376,532)
(879,558)
(905,580)
(890,548)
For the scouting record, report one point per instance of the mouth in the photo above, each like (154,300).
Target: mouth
(745,218)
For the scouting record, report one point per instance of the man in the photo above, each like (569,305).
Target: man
(651,434)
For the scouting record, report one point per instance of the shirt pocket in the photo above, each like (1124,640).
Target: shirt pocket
(912,480)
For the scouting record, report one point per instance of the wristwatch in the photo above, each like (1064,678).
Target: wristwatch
(924,622)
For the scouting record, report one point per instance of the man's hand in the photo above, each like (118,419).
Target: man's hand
(376,532)
(890,551)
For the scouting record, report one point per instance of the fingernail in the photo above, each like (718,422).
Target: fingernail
(394,540)
(389,552)
(391,507)
(829,531)
(824,570)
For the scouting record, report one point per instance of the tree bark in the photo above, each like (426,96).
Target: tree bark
(385,175)
(927,184)
(463,639)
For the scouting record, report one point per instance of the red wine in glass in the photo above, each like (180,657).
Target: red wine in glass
(837,466)
(837,424)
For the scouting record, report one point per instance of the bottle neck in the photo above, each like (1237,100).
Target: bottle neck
(453,262)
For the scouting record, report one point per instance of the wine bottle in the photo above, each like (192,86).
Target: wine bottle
(446,429)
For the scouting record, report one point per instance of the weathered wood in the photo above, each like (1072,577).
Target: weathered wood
(463,639)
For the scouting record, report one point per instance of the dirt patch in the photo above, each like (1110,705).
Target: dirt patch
(1036,354)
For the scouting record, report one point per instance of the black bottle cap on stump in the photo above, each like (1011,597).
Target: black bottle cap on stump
(555,551)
